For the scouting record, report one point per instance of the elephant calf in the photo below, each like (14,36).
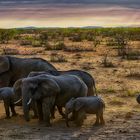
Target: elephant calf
(138,99)
(82,105)
(7,95)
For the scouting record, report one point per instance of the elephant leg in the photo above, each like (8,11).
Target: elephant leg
(13,110)
(60,111)
(46,112)
(79,117)
(53,112)
(34,108)
(102,122)
(40,113)
(72,118)
(6,105)
(97,119)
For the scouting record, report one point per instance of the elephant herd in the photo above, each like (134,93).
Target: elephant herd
(34,83)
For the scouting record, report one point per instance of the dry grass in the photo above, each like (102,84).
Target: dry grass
(57,58)
(117,90)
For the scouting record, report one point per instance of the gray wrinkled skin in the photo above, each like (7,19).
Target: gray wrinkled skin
(17,88)
(12,68)
(82,105)
(86,77)
(49,91)
(138,99)
(7,95)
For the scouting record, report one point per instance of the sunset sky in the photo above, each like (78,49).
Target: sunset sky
(69,13)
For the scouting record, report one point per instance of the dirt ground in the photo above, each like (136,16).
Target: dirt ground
(118,86)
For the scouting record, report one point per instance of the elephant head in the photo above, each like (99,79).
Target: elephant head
(37,88)
(73,105)
(4,67)
(68,109)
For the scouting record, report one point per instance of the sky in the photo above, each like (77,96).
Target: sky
(69,13)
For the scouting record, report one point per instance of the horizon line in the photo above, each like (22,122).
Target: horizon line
(90,27)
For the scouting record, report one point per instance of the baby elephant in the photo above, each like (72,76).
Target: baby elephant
(7,95)
(82,105)
(138,99)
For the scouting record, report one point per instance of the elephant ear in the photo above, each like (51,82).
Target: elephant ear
(78,105)
(4,64)
(49,87)
(17,87)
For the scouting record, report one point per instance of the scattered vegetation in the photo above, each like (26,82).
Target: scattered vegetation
(9,51)
(57,58)
(106,62)
(134,73)
(7,35)
(129,93)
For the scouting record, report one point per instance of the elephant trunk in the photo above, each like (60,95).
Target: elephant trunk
(26,102)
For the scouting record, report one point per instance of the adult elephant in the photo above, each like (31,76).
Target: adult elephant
(85,76)
(48,90)
(12,68)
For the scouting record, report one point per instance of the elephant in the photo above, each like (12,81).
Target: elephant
(138,99)
(7,95)
(48,91)
(82,105)
(17,88)
(86,77)
(12,68)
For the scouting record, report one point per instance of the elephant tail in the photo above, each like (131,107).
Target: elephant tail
(102,103)
(94,88)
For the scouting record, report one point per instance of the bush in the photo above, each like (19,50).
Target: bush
(36,43)
(106,63)
(133,54)
(26,43)
(58,46)
(76,38)
(6,35)
(43,37)
(57,58)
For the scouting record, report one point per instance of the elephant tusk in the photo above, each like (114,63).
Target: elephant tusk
(29,101)
(18,101)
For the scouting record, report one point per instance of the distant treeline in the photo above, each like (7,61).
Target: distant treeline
(74,34)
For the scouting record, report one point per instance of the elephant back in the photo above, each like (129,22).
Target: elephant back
(4,64)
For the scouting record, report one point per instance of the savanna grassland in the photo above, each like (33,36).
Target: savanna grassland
(110,55)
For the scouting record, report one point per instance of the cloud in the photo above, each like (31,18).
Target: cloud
(61,13)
